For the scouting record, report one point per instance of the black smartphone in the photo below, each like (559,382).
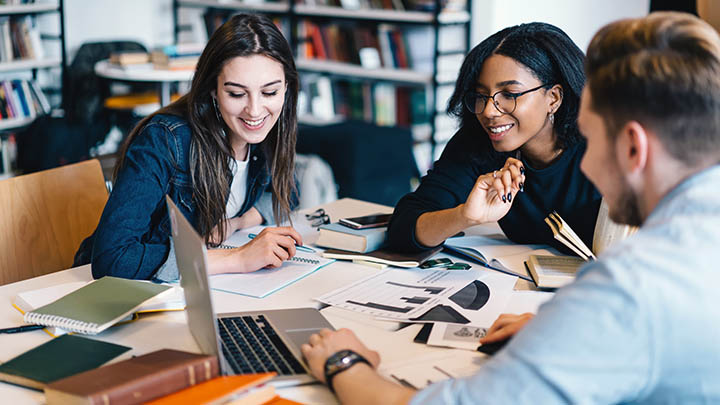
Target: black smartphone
(367,221)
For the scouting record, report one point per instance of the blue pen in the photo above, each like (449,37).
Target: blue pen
(298,247)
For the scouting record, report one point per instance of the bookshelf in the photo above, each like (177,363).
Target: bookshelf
(423,27)
(23,54)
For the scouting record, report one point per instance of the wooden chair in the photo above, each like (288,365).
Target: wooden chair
(45,215)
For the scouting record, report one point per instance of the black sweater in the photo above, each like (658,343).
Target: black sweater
(559,187)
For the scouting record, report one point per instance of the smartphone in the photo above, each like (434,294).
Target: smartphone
(367,221)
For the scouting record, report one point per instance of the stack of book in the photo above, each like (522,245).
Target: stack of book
(22,99)
(177,57)
(19,39)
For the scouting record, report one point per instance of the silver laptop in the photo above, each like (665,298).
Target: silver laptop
(245,342)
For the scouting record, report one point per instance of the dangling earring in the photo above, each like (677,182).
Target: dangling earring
(551,117)
(217,110)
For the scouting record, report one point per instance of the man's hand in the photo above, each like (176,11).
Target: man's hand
(326,343)
(505,327)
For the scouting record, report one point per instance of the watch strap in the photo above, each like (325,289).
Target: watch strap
(339,362)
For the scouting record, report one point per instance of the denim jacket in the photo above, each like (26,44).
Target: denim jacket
(132,239)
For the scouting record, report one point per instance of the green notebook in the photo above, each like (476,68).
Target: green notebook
(59,358)
(96,306)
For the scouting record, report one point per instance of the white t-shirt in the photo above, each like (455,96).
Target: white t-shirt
(238,188)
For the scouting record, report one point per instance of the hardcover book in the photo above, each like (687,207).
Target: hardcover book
(337,236)
(384,257)
(57,359)
(136,380)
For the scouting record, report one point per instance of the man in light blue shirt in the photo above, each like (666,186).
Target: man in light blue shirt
(642,323)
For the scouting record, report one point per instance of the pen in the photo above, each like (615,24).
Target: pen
(24,328)
(298,247)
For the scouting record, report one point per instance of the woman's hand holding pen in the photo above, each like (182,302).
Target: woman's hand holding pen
(269,249)
(493,193)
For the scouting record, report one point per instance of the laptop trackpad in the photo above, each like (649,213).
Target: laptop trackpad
(300,336)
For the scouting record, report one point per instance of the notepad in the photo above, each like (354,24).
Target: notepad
(264,282)
(31,300)
(59,358)
(97,305)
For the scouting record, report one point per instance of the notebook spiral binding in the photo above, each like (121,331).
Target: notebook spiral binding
(67,324)
(298,259)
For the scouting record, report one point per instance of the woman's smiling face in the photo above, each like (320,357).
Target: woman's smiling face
(509,132)
(250,96)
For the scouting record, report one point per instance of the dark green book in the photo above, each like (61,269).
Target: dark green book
(59,358)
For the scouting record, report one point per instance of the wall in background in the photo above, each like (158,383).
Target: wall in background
(579,19)
(146,21)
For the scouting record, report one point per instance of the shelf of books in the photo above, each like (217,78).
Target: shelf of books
(17,7)
(257,6)
(390,62)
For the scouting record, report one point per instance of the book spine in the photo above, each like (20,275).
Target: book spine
(159,384)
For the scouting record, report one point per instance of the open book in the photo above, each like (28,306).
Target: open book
(556,271)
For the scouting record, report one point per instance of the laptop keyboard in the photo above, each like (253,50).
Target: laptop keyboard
(251,345)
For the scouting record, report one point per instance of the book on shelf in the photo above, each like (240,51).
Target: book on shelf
(136,380)
(22,99)
(57,359)
(383,257)
(20,39)
(28,301)
(96,306)
(384,104)
(338,236)
(247,389)
(556,271)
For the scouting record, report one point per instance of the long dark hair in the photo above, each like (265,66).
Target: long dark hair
(549,54)
(210,149)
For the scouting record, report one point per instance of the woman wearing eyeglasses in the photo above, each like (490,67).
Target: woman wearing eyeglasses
(516,156)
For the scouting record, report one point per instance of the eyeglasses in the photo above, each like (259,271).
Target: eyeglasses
(504,101)
(318,217)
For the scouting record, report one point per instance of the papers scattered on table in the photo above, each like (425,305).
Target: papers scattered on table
(472,296)
(457,336)
(419,372)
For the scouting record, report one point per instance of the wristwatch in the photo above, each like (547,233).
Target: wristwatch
(339,362)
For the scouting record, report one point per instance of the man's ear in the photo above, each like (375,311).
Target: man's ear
(631,147)
(556,96)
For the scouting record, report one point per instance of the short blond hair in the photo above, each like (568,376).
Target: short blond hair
(662,70)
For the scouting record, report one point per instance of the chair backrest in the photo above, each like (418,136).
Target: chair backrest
(45,216)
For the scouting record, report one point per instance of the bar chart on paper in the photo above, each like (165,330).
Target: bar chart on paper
(399,294)
(463,297)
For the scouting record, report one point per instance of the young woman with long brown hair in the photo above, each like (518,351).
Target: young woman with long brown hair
(224,153)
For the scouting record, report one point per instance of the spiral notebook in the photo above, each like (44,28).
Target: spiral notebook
(264,282)
(96,306)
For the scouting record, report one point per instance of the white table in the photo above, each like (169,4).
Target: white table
(161,76)
(169,329)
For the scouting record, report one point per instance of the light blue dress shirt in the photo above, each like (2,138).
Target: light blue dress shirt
(639,325)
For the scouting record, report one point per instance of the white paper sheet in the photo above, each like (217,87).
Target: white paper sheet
(406,295)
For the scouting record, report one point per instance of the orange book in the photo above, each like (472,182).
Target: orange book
(241,389)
